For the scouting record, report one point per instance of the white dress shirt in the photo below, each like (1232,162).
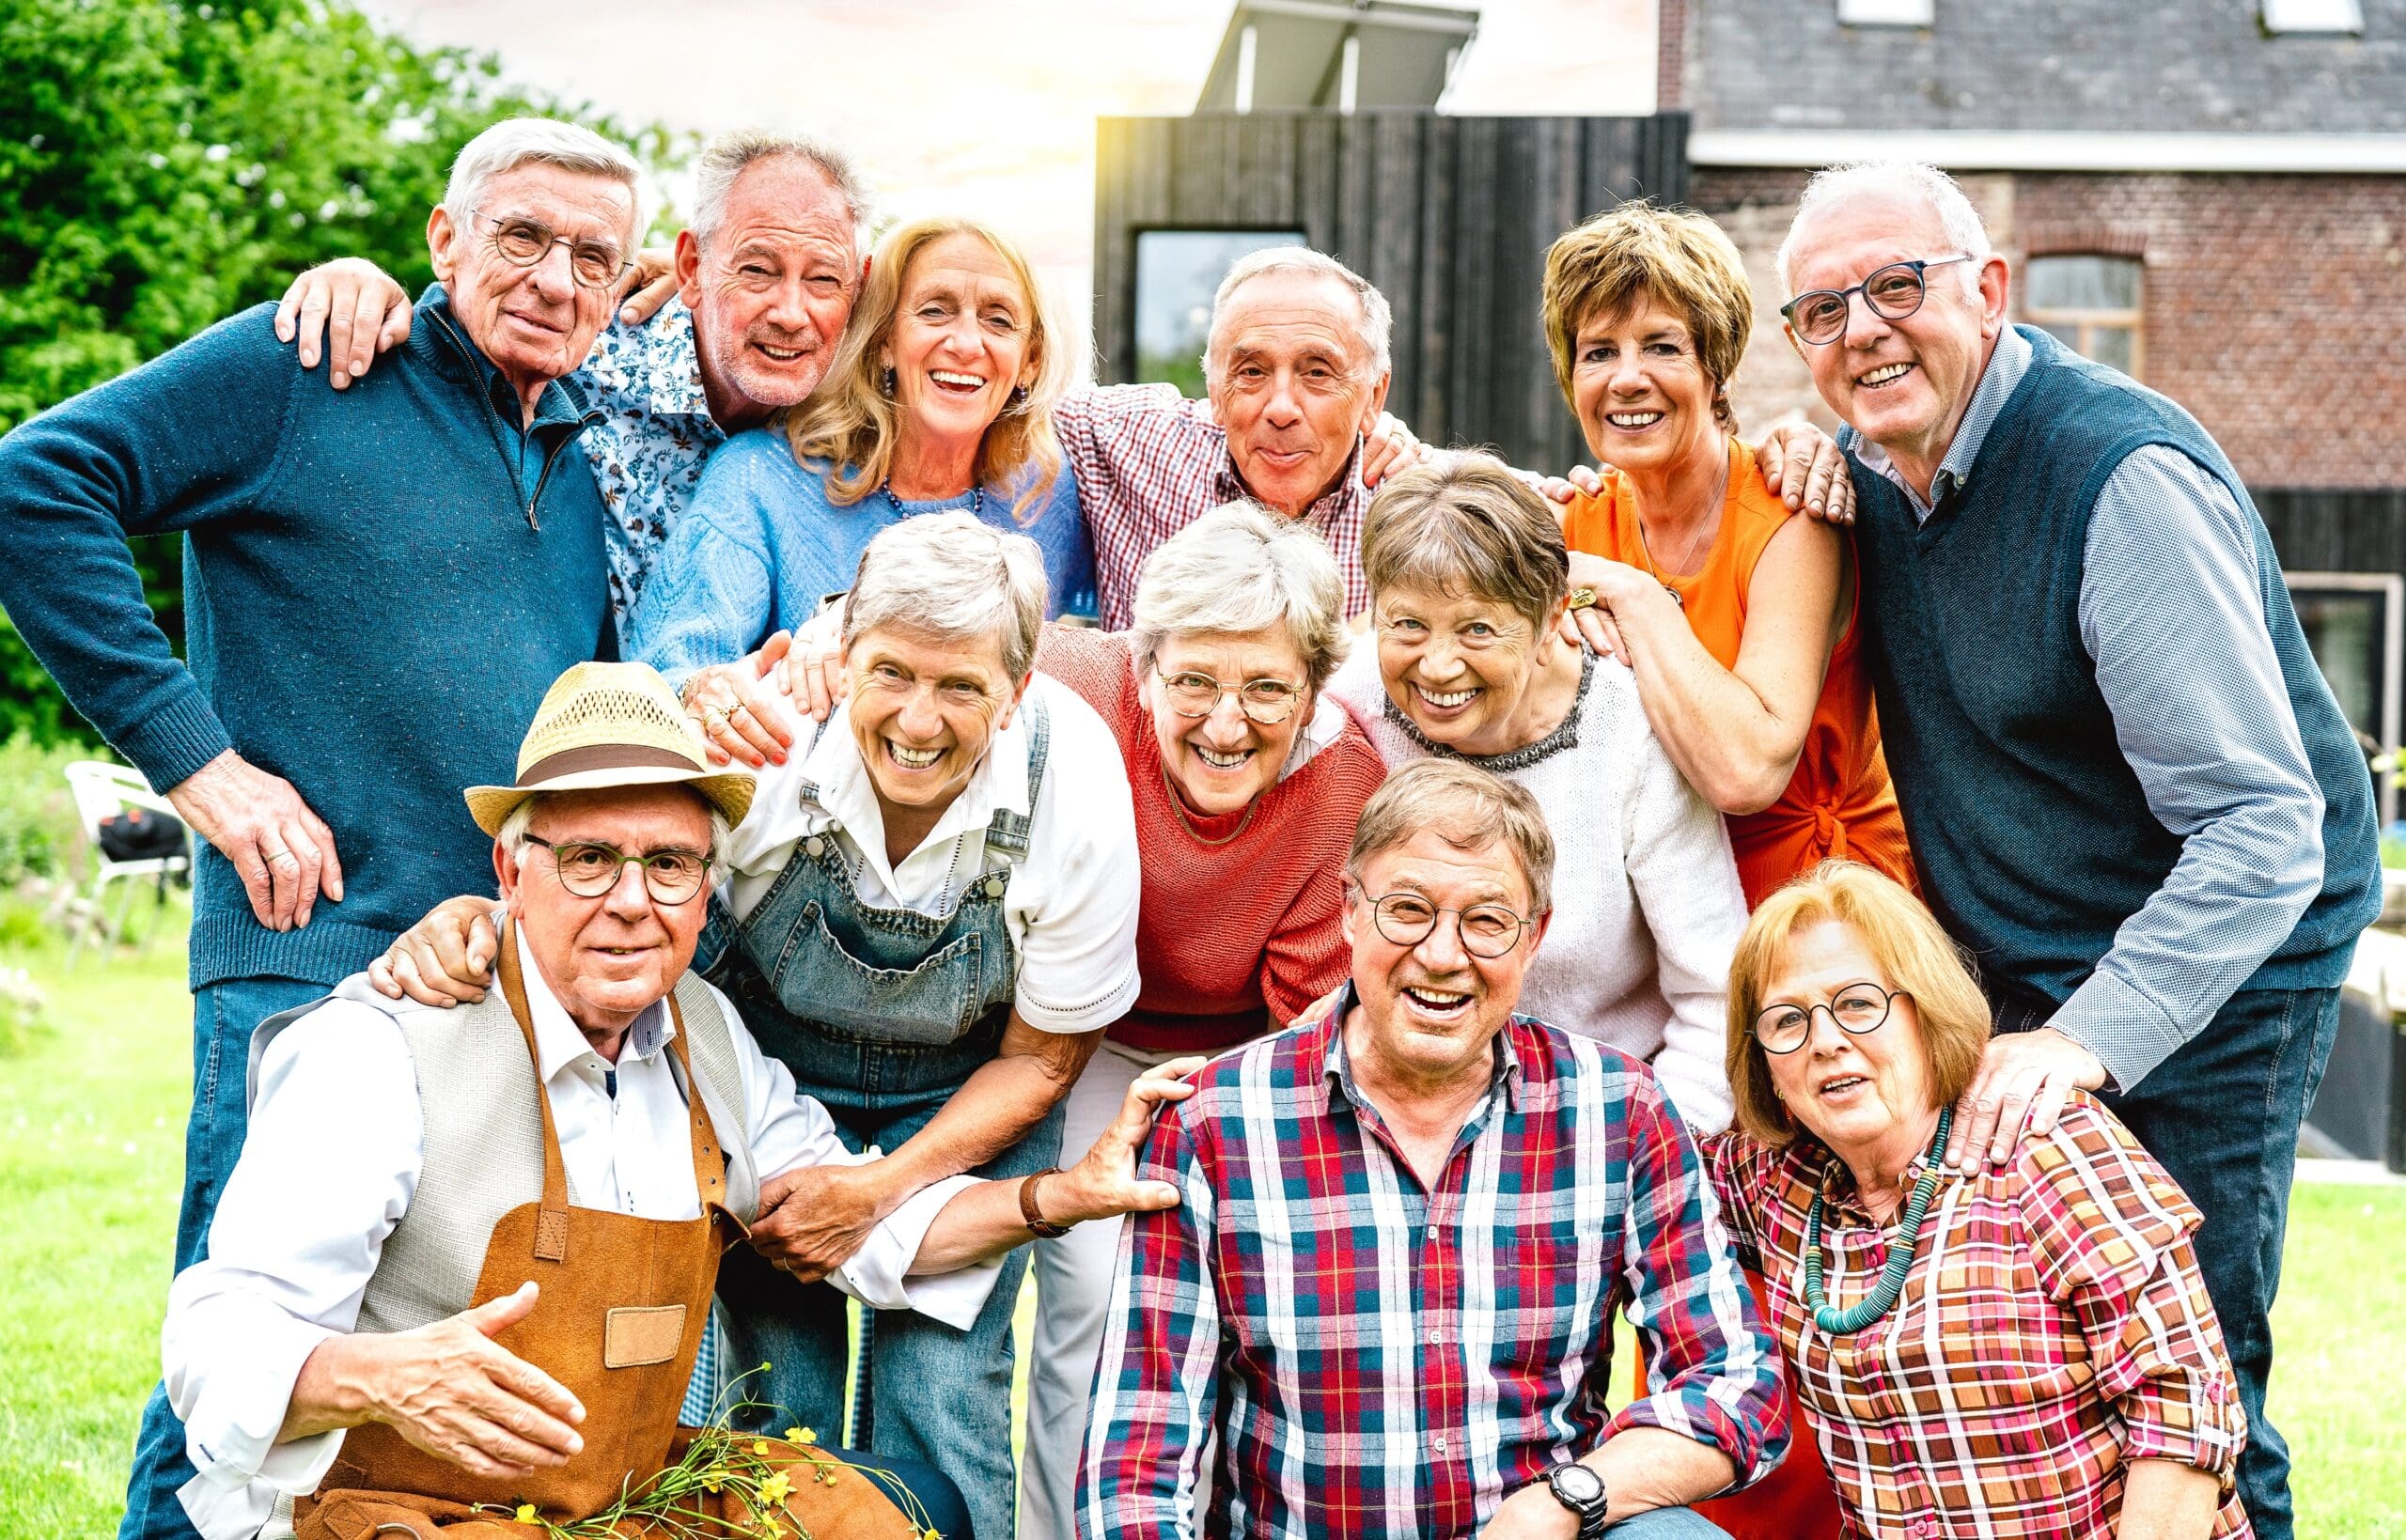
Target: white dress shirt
(1070,904)
(330,1161)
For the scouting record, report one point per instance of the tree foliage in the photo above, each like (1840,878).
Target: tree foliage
(163,165)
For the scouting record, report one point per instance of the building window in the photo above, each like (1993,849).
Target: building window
(1887,13)
(2356,624)
(1177,274)
(2091,304)
(2340,16)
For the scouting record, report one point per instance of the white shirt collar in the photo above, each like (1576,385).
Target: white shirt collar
(849,793)
(560,1044)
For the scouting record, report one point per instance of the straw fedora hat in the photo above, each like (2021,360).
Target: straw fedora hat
(610,724)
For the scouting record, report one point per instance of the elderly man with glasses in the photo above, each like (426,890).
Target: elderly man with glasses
(2129,792)
(375,580)
(1405,1225)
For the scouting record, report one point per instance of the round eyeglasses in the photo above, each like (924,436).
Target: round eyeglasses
(1894,292)
(1488,930)
(525,242)
(1857,1008)
(589,870)
(1268,701)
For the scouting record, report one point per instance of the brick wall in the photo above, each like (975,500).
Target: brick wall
(2275,307)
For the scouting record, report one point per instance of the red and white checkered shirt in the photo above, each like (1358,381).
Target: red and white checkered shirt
(2053,1328)
(1150,463)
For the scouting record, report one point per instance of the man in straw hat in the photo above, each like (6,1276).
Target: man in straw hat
(435,1298)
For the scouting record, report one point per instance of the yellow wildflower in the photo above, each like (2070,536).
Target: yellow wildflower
(931,1535)
(760,1446)
(802,1435)
(710,1481)
(776,1487)
(525,1514)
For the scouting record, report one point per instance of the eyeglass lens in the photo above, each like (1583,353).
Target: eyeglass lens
(1893,293)
(1488,930)
(1266,701)
(525,242)
(588,871)
(1857,1008)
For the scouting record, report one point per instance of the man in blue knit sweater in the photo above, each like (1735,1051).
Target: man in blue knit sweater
(378,587)
(2129,793)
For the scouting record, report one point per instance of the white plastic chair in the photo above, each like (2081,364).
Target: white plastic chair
(102,790)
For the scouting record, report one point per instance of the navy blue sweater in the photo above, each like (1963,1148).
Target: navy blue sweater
(380,583)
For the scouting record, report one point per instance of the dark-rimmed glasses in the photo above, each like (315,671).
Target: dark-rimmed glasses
(1268,701)
(589,869)
(1857,1008)
(1488,930)
(1818,316)
(524,242)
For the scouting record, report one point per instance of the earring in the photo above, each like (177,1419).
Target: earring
(887,385)
(1017,405)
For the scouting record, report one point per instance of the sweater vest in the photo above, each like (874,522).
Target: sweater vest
(2034,838)
(483,1142)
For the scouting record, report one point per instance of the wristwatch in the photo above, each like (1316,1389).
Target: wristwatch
(1578,1488)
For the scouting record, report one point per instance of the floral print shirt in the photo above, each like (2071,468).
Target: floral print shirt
(654,434)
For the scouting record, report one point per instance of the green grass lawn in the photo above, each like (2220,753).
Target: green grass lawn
(91,1121)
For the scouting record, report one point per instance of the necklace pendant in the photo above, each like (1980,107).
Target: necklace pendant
(1677,597)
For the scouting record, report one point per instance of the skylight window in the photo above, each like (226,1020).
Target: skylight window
(1896,12)
(2343,16)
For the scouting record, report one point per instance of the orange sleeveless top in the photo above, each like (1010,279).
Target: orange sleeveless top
(1839,802)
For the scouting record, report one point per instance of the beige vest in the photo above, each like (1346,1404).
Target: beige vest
(484,1138)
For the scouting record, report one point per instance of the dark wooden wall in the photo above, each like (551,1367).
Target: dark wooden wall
(1450,217)
(2327,530)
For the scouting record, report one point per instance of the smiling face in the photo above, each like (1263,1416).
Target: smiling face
(923,713)
(1639,388)
(963,338)
(1903,384)
(1219,763)
(1462,667)
(1291,384)
(535,324)
(1855,1093)
(1429,1010)
(607,959)
(772,291)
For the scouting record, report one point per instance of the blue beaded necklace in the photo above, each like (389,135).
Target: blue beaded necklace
(1883,1298)
(977,502)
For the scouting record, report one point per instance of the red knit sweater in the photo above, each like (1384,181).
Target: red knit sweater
(1232,939)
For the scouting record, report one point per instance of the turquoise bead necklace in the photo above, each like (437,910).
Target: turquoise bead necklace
(1883,1298)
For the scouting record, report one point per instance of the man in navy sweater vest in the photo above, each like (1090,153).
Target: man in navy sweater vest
(378,587)
(2129,793)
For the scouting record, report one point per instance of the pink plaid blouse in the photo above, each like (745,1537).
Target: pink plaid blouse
(2053,1326)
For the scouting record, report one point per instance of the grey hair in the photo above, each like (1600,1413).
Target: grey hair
(1241,567)
(520,141)
(953,577)
(1376,327)
(1917,180)
(512,836)
(728,157)
(1467,807)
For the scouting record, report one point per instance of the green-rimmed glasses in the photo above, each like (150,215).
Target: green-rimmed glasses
(588,869)
(1857,1008)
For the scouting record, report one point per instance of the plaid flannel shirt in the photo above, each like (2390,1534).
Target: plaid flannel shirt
(1150,463)
(1378,1358)
(2053,1328)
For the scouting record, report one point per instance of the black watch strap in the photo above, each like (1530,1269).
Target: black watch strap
(1590,1513)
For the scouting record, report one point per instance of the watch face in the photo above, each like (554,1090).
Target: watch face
(1577,1484)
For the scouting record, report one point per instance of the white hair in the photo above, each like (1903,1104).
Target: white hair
(953,577)
(1375,330)
(728,157)
(1243,569)
(542,141)
(1916,180)
(512,834)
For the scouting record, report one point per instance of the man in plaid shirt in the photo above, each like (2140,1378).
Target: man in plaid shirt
(1405,1223)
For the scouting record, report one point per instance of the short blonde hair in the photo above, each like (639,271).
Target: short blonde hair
(1463,523)
(1467,807)
(1904,940)
(1617,260)
(1239,568)
(851,421)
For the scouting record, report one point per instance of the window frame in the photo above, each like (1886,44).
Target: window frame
(2391,587)
(2086,320)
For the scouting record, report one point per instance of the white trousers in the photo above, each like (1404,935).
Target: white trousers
(1072,1292)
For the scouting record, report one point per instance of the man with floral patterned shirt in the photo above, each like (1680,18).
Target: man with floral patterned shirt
(764,284)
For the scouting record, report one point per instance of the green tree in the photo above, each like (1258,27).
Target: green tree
(163,165)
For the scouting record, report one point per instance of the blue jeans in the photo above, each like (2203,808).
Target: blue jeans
(2222,1114)
(939,1499)
(222,1015)
(1668,1524)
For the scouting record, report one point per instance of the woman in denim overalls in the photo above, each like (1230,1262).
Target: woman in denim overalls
(885,909)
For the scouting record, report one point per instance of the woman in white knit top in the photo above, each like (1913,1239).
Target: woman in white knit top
(1468,580)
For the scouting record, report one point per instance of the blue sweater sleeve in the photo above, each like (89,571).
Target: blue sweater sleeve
(711,595)
(188,438)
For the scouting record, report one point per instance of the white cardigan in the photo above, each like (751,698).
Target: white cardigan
(1647,905)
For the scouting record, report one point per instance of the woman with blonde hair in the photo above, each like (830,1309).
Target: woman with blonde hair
(941,398)
(2018,1350)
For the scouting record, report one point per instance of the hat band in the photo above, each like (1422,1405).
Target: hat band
(603,756)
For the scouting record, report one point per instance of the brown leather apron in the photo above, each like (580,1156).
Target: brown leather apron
(623,1304)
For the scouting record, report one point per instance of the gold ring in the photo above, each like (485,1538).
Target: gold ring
(1583,598)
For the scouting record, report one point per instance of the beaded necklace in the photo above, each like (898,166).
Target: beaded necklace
(1883,1298)
(977,502)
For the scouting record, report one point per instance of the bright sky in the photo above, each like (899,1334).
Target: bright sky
(983,107)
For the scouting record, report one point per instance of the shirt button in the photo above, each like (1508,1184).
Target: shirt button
(1922,1529)
(1440,1445)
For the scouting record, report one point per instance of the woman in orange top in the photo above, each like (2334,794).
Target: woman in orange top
(1737,615)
